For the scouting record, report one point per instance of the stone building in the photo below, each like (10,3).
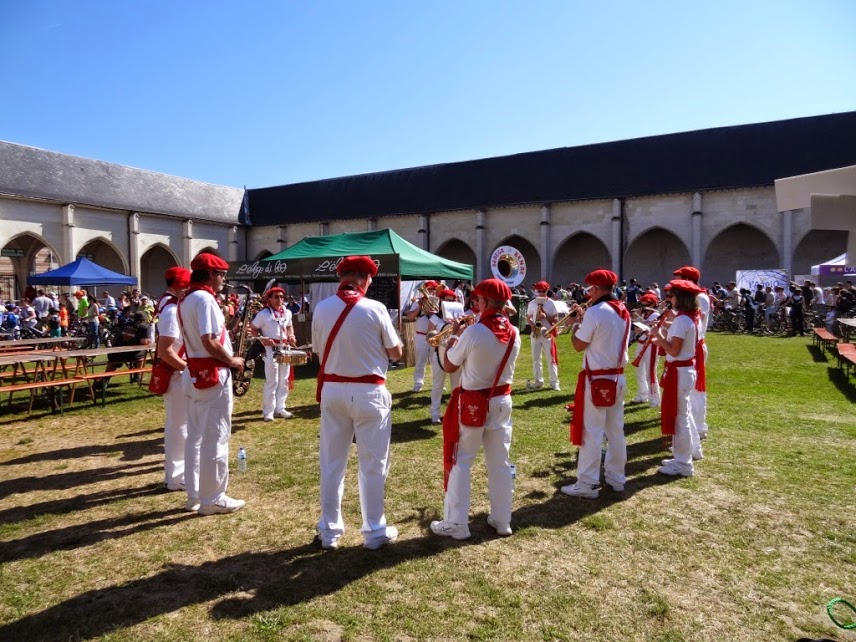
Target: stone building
(640,207)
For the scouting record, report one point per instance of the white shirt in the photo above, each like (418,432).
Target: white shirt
(272,324)
(704,306)
(167,325)
(201,314)
(549,310)
(683,328)
(42,304)
(604,331)
(479,354)
(360,346)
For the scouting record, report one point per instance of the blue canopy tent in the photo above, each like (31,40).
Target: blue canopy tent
(81,272)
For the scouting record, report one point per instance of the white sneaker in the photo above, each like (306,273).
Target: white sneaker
(435,420)
(192,505)
(284,414)
(503,530)
(448,529)
(614,485)
(222,507)
(268,418)
(417,387)
(175,487)
(327,544)
(555,386)
(536,384)
(639,400)
(674,469)
(698,455)
(588,491)
(390,536)
(655,403)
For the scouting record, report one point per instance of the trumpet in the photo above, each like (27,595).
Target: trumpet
(562,324)
(435,338)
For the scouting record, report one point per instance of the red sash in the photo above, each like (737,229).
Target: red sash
(701,368)
(669,402)
(554,352)
(578,419)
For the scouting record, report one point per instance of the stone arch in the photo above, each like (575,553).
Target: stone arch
(816,247)
(530,255)
(578,255)
(102,251)
(653,256)
(456,250)
(153,263)
(24,254)
(738,247)
(263,255)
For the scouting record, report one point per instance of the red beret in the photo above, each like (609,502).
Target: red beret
(684,285)
(688,272)
(446,293)
(649,298)
(179,276)
(208,261)
(359,264)
(541,285)
(602,278)
(493,289)
(430,284)
(274,291)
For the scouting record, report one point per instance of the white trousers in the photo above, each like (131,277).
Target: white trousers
(423,352)
(209,426)
(686,440)
(645,390)
(276,384)
(600,421)
(438,378)
(698,405)
(174,431)
(365,411)
(539,347)
(495,436)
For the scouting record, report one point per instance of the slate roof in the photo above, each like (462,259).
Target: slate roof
(38,173)
(720,158)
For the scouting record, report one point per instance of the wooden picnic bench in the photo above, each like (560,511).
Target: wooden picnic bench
(84,370)
(846,353)
(824,338)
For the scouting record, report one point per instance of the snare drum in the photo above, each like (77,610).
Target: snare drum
(291,357)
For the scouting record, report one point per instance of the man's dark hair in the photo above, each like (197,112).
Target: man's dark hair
(200,276)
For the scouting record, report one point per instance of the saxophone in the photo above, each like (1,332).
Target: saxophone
(245,344)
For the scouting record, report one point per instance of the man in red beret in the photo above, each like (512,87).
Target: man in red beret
(208,384)
(647,355)
(682,345)
(355,339)
(170,351)
(419,312)
(486,353)
(438,375)
(602,336)
(274,325)
(541,314)
(698,397)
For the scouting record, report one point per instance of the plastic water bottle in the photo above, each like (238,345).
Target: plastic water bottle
(513,476)
(242,460)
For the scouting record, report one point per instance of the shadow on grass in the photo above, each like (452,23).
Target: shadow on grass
(818,354)
(416,430)
(78,503)
(82,535)
(840,380)
(64,481)
(130,451)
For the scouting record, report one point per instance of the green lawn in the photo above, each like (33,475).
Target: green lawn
(752,548)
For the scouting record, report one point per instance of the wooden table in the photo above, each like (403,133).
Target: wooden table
(847,326)
(22,345)
(84,366)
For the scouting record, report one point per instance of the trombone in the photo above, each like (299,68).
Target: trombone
(436,338)
(563,325)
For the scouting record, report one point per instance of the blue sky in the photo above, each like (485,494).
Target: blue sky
(266,93)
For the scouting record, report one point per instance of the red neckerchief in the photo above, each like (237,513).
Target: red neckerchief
(350,293)
(497,322)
